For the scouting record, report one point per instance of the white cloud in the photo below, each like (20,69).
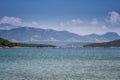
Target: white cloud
(73,22)
(10,20)
(62,24)
(18,22)
(113,17)
(94,21)
(76,21)
(79,22)
(104,27)
(30,24)
(73,25)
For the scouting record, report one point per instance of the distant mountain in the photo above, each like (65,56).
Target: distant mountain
(102,38)
(7,26)
(95,38)
(36,35)
(25,34)
(115,43)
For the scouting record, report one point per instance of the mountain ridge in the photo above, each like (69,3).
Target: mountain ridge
(29,34)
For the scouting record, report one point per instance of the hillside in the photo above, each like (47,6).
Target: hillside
(37,35)
(6,43)
(24,34)
(115,43)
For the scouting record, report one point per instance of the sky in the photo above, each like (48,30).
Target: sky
(78,16)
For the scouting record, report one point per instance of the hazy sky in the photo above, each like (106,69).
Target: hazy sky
(78,16)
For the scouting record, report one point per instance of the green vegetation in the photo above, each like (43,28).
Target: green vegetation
(6,43)
(115,43)
(34,45)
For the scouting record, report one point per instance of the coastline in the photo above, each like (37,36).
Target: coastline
(56,47)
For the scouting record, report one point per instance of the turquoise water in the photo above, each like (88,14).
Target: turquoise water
(60,64)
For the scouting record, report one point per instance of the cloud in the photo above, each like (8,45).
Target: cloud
(94,21)
(30,24)
(76,21)
(79,22)
(104,27)
(62,24)
(18,22)
(113,17)
(72,22)
(10,20)
(74,25)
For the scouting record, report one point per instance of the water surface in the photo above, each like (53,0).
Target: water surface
(60,64)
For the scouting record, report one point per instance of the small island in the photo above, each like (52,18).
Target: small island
(8,44)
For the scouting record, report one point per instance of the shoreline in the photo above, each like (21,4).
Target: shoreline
(57,47)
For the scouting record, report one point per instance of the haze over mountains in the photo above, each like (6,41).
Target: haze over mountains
(29,34)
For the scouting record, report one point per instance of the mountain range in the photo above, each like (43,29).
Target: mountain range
(29,34)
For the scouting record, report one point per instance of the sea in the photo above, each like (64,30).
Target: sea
(59,63)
